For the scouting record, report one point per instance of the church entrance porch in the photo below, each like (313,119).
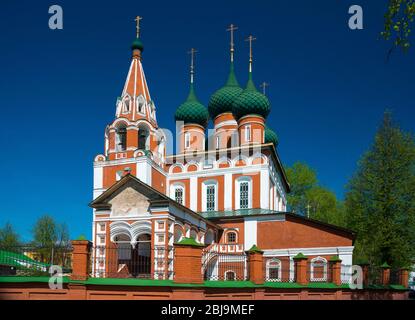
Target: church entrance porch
(124,258)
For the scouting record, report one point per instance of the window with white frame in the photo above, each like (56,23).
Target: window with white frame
(230,275)
(231,237)
(187,140)
(247,133)
(217,142)
(243,193)
(318,269)
(177,193)
(210,197)
(273,270)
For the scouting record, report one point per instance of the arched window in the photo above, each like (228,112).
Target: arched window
(126,104)
(230,275)
(177,193)
(231,237)
(121,138)
(141,105)
(318,269)
(210,196)
(209,237)
(243,193)
(143,137)
(193,234)
(273,270)
(178,233)
(187,140)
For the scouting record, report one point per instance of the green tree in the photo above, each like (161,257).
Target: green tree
(399,19)
(8,237)
(380,201)
(45,232)
(310,199)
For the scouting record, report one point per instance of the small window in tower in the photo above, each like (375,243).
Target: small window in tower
(121,138)
(178,195)
(126,106)
(217,142)
(247,133)
(231,237)
(187,140)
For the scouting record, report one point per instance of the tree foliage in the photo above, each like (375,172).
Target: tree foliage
(8,237)
(308,198)
(47,233)
(399,18)
(380,201)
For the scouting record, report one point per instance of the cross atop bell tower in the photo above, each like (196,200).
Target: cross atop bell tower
(137,26)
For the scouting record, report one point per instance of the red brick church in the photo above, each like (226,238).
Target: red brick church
(225,187)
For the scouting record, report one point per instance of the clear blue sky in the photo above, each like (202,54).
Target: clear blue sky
(329,86)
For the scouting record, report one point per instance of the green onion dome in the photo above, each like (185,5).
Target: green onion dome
(221,101)
(270,136)
(250,101)
(137,44)
(192,111)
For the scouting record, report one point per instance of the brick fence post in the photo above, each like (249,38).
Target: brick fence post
(255,265)
(300,263)
(188,261)
(80,259)
(335,267)
(386,272)
(404,277)
(365,274)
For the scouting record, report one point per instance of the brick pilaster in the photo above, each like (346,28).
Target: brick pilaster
(365,274)
(404,277)
(80,259)
(255,265)
(300,269)
(335,267)
(386,271)
(188,262)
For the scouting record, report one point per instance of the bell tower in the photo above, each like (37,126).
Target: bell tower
(133,140)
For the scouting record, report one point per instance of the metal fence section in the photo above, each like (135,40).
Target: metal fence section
(219,266)
(34,260)
(394,276)
(346,274)
(127,261)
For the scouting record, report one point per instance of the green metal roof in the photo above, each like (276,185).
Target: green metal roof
(271,136)
(192,111)
(250,101)
(237,213)
(222,100)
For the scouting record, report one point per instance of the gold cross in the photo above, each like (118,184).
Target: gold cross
(263,86)
(231,29)
(137,27)
(250,39)
(192,63)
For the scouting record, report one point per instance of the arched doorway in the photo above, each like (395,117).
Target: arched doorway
(142,257)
